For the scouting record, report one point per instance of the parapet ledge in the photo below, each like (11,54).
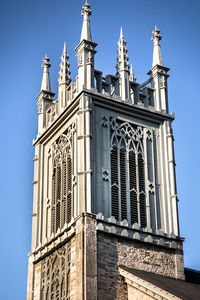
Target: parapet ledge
(56,239)
(135,232)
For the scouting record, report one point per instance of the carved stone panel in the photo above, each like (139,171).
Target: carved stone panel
(55,278)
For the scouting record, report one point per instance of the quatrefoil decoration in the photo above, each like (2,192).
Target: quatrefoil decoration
(105,174)
(149,135)
(151,188)
(104,121)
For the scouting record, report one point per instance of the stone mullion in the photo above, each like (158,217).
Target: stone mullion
(162,171)
(128,212)
(87,156)
(56,197)
(105,149)
(109,169)
(35,198)
(154,181)
(66,272)
(62,193)
(168,196)
(67,191)
(40,198)
(72,176)
(81,163)
(47,197)
(173,191)
(119,181)
(148,214)
(138,188)
(74,156)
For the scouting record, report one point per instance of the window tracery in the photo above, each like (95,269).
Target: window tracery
(55,279)
(62,185)
(128,198)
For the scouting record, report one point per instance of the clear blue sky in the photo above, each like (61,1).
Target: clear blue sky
(28,30)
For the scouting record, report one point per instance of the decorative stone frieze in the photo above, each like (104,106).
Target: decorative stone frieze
(110,225)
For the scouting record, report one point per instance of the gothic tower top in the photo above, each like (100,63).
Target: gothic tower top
(105,198)
(104,181)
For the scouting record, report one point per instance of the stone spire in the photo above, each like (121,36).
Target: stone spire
(64,73)
(46,78)
(86,30)
(122,59)
(132,76)
(157,56)
(123,67)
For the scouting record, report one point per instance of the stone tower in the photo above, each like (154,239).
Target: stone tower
(104,178)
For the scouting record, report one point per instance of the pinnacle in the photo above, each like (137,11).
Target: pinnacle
(46,79)
(65,48)
(122,59)
(157,56)
(121,33)
(132,76)
(131,70)
(64,73)
(86,30)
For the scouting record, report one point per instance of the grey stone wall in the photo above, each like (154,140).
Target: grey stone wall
(112,252)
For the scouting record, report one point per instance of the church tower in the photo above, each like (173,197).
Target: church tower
(105,194)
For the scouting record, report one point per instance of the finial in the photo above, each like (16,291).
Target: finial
(86,31)
(65,48)
(132,76)
(86,9)
(157,56)
(46,79)
(121,33)
(156,35)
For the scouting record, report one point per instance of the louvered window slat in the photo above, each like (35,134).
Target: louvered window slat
(123,183)
(141,187)
(57,215)
(64,178)
(58,182)
(53,225)
(133,188)
(114,182)
(127,174)
(53,219)
(64,197)
(62,208)
(69,187)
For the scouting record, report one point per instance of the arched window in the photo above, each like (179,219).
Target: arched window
(61,184)
(128,199)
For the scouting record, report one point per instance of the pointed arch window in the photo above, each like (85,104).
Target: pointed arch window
(128,199)
(62,184)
